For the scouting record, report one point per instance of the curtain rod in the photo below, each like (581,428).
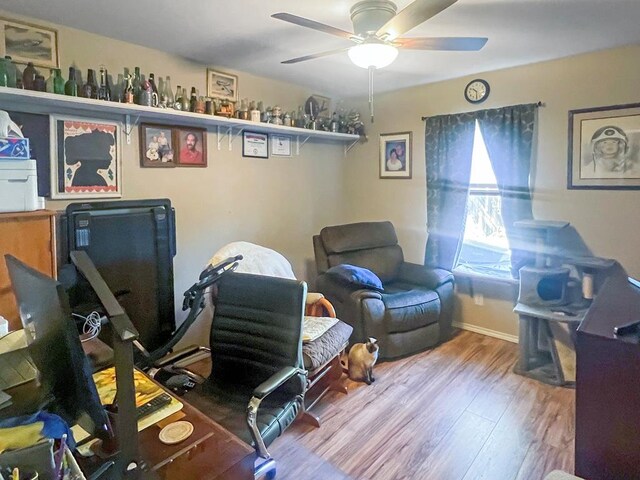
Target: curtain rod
(539,104)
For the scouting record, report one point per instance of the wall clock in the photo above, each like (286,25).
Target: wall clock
(477,91)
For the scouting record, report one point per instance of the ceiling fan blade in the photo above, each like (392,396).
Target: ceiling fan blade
(469,44)
(321,27)
(411,16)
(315,55)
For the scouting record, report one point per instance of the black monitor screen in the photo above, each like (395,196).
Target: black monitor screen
(54,345)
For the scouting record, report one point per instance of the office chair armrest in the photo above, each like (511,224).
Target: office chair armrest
(264,389)
(274,381)
(431,278)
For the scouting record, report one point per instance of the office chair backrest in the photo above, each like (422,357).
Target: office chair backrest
(372,245)
(257,329)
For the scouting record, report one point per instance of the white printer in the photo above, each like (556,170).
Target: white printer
(18,186)
(18,175)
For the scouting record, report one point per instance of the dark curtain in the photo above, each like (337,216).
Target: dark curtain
(508,135)
(448,151)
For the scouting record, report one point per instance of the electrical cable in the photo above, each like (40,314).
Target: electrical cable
(91,327)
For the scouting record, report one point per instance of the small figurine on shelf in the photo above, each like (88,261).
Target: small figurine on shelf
(128,95)
(225,109)
(276,115)
(254,111)
(355,126)
(243,112)
(200,105)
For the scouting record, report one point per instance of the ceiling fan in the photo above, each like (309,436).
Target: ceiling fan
(376,31)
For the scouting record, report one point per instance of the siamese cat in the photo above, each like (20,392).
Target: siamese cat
(362,358)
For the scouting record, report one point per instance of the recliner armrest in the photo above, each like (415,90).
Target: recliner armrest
(419,274)
(275,381)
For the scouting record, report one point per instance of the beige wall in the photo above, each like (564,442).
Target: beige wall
(607,220)
(282,202)
(278,202)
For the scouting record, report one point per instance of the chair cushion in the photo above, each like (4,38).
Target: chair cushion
(317,353)
(409,309)
(356,276)
(228,406)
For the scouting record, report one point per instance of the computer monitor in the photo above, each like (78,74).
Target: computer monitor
(64,370)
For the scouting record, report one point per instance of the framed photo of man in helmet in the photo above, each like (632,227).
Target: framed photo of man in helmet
(604,148)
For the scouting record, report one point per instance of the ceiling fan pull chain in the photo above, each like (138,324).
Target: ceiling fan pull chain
(371,70)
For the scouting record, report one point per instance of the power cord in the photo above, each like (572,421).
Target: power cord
(91,327)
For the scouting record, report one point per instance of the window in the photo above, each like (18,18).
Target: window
(485,248)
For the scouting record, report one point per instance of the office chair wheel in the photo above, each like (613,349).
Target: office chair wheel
(271,474)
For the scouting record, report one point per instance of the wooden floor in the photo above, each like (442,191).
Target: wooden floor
(456,412)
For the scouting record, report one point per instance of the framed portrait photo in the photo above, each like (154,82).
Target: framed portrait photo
(25,43)
(604,148)
(191,147)
(156,146)
(395,155)
(280,145)
(255,145)
(86,159)
(222,85)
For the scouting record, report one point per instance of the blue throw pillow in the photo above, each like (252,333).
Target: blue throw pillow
(356,276)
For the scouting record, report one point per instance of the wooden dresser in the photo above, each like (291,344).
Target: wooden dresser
(30,237)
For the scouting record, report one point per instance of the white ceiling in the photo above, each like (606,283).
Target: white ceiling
(241,35)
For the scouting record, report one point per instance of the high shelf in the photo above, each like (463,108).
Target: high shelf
(225,128)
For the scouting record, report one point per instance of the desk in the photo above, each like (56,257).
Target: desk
(210,453)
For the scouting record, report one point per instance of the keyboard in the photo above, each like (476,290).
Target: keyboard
(153,405)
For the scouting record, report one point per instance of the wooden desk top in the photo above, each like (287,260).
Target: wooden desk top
(210,453)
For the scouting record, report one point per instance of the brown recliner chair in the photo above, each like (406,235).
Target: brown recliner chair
(413,313)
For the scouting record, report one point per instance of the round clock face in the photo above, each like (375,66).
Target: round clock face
(477,91)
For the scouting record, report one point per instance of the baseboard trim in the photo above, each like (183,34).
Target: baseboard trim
(486,331)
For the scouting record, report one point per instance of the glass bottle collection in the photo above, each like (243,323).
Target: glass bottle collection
(134,88)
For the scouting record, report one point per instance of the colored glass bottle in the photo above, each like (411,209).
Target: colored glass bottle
(104,92)
(90,88)
(12,72)
(4,82)
(152,82)
(185,100)
(193,100)
(49,82)
(40,84)
(29,77)
(177,103)
(168,93)
(137,85)
(58,82)
(71,87)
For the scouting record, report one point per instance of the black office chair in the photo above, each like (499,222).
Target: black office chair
(257,381)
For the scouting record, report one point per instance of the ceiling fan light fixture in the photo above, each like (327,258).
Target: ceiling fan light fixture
(377,55)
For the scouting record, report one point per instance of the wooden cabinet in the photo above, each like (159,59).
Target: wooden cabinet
(30,237)
(607,387)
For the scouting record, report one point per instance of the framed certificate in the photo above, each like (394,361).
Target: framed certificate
(281,145)
(255,145)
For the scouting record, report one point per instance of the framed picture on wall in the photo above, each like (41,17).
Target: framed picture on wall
(280,145)
(395,155)
(86,159)
(604,148)
(255,145)
(156,146)
(222,85)
(25,43)
(191,147)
